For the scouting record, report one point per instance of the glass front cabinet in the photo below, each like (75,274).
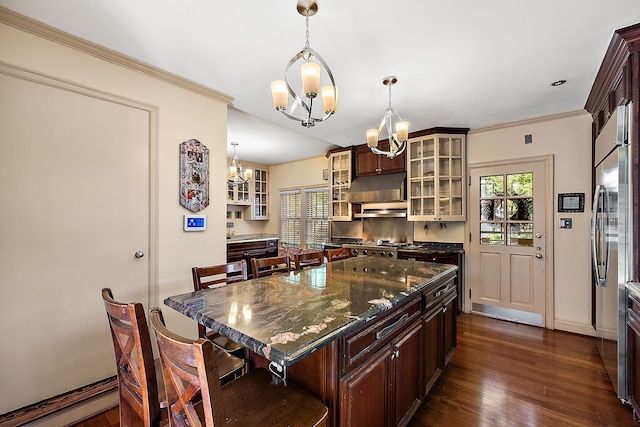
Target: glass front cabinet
(339,183)
(436,170)
(259,209)
(238,194)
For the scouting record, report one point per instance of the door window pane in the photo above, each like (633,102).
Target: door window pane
(520,234)
(506,206)
(492,186)
(491,233)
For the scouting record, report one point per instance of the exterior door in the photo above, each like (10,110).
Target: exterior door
(508,225)
(74,179)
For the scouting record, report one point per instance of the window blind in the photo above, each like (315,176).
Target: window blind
(316,218)
(290,218)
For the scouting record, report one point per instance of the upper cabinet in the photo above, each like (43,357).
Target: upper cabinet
(238,194)
(260,195)
(339,183)
(436,169)
(369,163)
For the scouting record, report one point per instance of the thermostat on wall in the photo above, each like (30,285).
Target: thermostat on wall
(195,222)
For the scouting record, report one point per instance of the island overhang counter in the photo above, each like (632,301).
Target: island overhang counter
(361,325)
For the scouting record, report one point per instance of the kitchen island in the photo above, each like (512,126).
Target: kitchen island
(383,328)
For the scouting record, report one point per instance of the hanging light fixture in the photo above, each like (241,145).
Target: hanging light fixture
(238,176)
(310,70)
(397,140)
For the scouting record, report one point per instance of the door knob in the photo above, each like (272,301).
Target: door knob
(539,255)
(139,254)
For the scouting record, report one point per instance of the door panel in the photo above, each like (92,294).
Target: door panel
(522,281)
(508,226)
(74,179)
(490,281)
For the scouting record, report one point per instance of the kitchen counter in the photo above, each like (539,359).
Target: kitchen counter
(287,317)
(240,238)
(433,248)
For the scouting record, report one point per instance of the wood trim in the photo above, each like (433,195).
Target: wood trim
(28,25)
(57,403)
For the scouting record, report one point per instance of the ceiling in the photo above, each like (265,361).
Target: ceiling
(459,63)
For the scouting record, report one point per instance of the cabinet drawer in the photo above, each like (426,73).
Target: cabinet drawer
(360,345)
(633,304)
(439,294)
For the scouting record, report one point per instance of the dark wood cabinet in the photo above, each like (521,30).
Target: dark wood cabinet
(633,354)
(441,258)
(378,374)
(238,251)
(439,324)
(369,163)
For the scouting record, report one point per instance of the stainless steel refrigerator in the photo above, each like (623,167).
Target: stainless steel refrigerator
(611,239)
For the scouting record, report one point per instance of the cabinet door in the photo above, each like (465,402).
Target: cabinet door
(363,393)
(369,163)
(406,385)
(339,183)
(366,161)
(436,177)
(432,351)
(397,164)
(450,323)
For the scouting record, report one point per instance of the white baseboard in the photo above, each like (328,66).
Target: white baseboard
(79,412)
(576,328)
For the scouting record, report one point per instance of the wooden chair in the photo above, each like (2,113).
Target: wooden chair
(337,254)
(212,277)
(308,259)
(261,267)
(140,390)
(140,381)
(256,398)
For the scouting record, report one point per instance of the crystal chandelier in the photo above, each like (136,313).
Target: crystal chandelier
(397,140)
(310,70)
(238,176)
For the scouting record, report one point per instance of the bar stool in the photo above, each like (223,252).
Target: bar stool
(215,276)
(308,259)
(261,267)
(257,398)
(337,254)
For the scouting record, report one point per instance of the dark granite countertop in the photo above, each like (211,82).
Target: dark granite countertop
(286,317)
(434,248)
(250,238)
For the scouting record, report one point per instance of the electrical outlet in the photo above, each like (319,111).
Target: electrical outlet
(229,224)
(565,223)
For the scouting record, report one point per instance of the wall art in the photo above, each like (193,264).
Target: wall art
(194,175)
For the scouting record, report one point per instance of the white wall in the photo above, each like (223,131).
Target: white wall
(568,138)
(185,112)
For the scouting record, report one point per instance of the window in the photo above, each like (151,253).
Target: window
(304,217)
(506,213)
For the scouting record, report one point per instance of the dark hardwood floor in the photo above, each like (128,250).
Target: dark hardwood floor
(507,374)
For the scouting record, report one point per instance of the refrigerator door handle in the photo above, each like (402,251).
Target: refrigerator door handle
(597,239)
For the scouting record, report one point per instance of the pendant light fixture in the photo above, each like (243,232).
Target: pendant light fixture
(238,176)
(310,70)
(397,140)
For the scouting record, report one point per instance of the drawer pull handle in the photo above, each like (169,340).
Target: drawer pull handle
(443,290)
(387,330)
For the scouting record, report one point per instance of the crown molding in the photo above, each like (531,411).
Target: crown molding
(47,32)
(537,120)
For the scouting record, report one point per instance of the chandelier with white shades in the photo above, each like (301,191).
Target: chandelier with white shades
(397,140)
(310,71)
(237,175)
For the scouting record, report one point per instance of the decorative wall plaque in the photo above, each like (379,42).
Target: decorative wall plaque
(194,175)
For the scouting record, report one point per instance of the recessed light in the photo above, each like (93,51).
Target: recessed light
(558,83)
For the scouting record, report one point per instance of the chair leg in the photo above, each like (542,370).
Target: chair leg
(126,414)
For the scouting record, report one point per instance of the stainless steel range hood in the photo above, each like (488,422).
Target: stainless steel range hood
(378,188)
